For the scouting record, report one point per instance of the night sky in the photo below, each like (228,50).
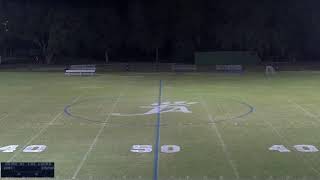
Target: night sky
(132,30)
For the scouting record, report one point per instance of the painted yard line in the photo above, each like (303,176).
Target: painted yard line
(4,116)
(99,108)
(308,113)
(40,132)
(97,136)
(157,137)
(95,140)
(287,142)
(36,135)
(223,144)
(307,104)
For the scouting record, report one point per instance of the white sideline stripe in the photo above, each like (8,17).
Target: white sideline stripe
(95,139)
(308,113)
(286,141)
(223,144)
(39,133)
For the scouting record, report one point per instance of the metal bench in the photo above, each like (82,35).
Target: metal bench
(81,70)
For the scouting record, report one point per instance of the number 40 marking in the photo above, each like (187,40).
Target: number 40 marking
(300,148)
(28,149)
(148,148)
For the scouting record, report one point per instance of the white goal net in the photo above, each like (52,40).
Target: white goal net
(270,70)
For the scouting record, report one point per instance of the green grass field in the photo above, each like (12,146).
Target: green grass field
(90,124)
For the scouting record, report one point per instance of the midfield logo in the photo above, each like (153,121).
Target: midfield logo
(165,107)
(178,106)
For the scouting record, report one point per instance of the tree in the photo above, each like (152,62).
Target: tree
(107,30)
(43,25)
(47,29)
(138,34)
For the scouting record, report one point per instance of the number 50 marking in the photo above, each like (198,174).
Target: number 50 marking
(148,148)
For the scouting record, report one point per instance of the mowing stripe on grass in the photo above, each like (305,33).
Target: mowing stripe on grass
(157,137)
(3,116)
(286,141)
(308,113)
(223,144)
(95,140)
(36,136)
(58,116)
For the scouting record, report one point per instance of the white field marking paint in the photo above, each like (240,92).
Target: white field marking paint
(223,144)
(4,116)
(75,174)
(308,113)
(141,148)
(305,112)
(28,149)
(168,149)
(165,107)
(58,116)
(229,115)
(306,148)
(231,161)
(178,106)
(9,148)
(35,148)
(36,135)
(307,104)
(305,161)
(279,148)
(99,108)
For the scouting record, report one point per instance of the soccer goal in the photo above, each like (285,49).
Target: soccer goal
(270,70)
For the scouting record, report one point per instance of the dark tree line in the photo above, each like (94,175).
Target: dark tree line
(122,29)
